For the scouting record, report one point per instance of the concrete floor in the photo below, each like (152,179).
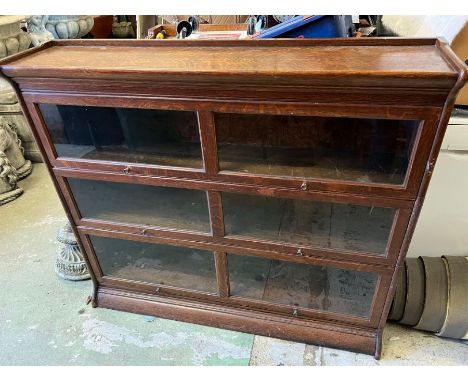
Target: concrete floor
(44,320)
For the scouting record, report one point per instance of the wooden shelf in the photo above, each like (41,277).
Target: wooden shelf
(302,164)
(302,286)
(188,156)
(321,225)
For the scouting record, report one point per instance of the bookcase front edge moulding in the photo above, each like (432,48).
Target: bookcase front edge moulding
(264,186)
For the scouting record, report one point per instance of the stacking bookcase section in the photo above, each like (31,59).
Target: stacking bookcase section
(302,150)
(299,287)
(315,225)
(265,186)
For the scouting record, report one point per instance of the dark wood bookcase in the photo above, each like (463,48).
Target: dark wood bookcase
(265,186)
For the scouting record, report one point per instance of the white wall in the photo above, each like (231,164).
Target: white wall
(442,228)
(425,26)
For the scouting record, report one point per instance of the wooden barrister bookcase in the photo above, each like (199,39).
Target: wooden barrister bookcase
(265,186)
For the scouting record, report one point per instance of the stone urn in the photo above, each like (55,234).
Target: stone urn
(13,165)
(66,26)
(10,110)
(12,38)
(70,264)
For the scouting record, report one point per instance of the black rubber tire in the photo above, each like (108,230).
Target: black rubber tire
(436,296)
(456,322)
(414,292)
(193,21)
(184,24)
(398,305)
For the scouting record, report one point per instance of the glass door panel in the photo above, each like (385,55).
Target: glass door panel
(166,207)
(303,222)
(349,149)
(156,263)
(315,287)
(147,136)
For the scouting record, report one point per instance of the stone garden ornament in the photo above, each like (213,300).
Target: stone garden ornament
(11,146)
(12,38)
(37,30)
(70,263)
(10,110)
(8,188)
(13,166)
(68,27)
(122,28)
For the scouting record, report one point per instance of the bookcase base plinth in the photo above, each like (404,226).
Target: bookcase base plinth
(314,332)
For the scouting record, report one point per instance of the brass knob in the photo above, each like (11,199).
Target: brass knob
(126,170)
(304,186)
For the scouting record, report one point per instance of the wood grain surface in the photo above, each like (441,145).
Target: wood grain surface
(252,60)
(377,78)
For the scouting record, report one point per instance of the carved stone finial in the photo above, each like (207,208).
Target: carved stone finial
(70,264)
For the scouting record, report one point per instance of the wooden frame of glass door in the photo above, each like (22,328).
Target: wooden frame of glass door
(223,298)
(217,236)
(426,132)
